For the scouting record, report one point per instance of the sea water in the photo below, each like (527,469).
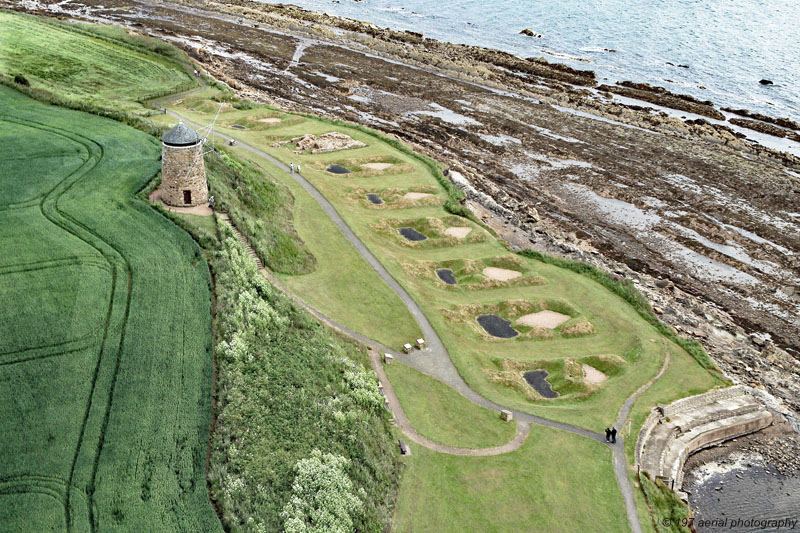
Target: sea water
(727,45)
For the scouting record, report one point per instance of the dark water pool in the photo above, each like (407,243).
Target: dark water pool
(497,327)
(536,379)
(723,494)
(374,198)
(337,169)
(446,275)
(238,127)
(411,234)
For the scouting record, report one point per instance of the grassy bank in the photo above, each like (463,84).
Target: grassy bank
(89,66)
(262,210)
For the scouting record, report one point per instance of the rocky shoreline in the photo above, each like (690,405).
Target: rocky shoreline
(703,221)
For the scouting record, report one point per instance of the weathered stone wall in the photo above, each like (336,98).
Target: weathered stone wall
(673,432)
(182,169)
(702,399)
(657,414)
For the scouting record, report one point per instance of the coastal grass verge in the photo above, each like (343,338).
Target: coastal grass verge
(620,316)
(615,311)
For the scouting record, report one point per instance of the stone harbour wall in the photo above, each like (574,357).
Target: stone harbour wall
(183,169)
(698,400)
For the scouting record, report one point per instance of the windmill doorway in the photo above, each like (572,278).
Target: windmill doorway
(187,197)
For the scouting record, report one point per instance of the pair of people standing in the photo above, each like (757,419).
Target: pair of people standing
(611,434)
(291,167)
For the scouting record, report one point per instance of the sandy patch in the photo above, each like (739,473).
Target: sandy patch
(501,274)
(270,120)
(415,195)
(592,375)
(544,319)
(378,166)
(459,232)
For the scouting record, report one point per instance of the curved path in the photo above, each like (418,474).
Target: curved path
(435,359)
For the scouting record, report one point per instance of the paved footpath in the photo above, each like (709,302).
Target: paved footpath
(435,359)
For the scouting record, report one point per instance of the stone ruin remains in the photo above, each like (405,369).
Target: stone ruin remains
(327,142)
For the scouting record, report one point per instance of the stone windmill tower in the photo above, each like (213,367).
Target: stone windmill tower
(183,172)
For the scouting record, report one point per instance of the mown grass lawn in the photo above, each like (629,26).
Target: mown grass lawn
(556,482)
(105,364)
(441,414)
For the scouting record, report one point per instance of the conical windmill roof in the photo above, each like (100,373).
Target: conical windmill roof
(181,135)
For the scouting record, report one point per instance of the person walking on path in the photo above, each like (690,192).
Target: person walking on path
(298,168)
(211,203)
(291,167)
(613,434)
(608,435)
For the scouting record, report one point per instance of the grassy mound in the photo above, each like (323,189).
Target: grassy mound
(434,228)
(396,198)
(564,375)
(511,310)
(469,273)
(89,65)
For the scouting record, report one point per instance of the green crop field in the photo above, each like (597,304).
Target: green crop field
(89,65)
(105,321)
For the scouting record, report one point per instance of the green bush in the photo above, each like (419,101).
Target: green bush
(285,388)
(322,496)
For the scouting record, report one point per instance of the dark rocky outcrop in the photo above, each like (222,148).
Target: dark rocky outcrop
(661,96)
(783,122)
(531,33)
(763,127)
